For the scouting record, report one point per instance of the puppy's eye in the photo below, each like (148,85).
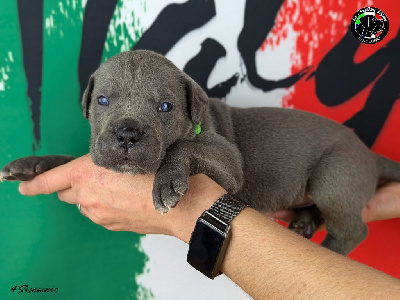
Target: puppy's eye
(102,100)
(165,106)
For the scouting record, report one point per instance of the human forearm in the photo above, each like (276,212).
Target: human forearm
(269,261)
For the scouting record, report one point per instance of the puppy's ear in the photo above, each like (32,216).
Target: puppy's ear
(196,99)
(87,96)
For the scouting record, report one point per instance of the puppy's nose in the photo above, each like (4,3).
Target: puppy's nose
(127,137)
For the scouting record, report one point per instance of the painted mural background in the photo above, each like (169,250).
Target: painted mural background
(293,53)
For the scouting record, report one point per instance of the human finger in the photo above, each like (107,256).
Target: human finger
(68,196)
(51,181)
(385,204)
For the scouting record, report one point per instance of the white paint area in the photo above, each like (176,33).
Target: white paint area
(225,27)
(272,64)
(169,276)
(5,70)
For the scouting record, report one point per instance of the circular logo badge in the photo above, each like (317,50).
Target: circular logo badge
(369,25)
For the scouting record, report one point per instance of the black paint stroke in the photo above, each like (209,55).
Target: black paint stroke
(173,23)
(208,56)
(369,122)
(96,20)
(259,18)
(338,78)
(31,24)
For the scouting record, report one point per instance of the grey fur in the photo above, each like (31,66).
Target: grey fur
(270,157)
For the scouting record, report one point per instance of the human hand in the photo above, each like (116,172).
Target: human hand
(385,204)
(123,202)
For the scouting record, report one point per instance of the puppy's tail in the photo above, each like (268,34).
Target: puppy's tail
(387,168)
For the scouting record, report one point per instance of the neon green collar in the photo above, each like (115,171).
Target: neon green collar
(198,128)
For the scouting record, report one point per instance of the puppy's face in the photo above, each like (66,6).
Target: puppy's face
(138,104)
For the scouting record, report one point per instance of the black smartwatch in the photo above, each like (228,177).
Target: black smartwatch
(211,235)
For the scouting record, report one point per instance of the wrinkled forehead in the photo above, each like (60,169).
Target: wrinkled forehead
(127,75)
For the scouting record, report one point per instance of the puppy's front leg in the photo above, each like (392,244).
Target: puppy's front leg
(210,154)
(27,168)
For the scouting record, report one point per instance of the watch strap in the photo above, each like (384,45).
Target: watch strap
(227,207)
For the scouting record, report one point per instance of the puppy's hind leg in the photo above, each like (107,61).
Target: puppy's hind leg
(340,186)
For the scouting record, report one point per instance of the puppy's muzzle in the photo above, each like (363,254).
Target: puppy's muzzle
(127,137)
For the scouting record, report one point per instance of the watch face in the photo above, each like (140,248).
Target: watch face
(205,247)
(369,25)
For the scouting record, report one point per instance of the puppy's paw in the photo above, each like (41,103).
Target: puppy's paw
(168,189)
(27,168)
(303,225)
(307,221)
(23,169)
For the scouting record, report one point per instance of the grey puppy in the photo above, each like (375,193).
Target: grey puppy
(147,116)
